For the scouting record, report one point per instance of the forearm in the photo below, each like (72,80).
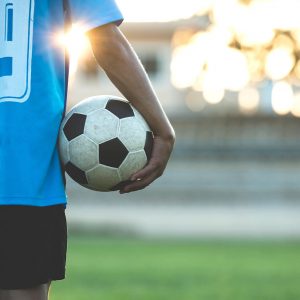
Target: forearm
(126,72)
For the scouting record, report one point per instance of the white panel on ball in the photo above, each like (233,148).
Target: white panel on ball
(102,178)
(134,162)
(96,126)
(90,104)
(132,134)
(64,148)
(83,153)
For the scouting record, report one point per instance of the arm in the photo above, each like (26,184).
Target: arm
(121,64)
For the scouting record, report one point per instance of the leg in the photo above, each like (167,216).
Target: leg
(37,293)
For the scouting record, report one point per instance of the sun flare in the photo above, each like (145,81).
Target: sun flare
(75,42)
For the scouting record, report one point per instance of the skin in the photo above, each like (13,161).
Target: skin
(36,293)
(120,62)
(118,59)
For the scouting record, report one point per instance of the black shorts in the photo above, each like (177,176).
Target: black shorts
(33,245)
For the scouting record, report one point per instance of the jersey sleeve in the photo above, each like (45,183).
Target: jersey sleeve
(94,13)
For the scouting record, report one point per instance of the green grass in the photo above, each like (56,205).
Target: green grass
(125,269)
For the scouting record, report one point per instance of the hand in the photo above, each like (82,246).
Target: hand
(161,152)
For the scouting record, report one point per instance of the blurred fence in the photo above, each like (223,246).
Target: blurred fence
(229,176)
(238,137)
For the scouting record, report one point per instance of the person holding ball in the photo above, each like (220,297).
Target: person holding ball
(33,93)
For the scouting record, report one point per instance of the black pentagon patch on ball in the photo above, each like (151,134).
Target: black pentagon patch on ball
(148,144)
(74,126)
(75,173)
(112,153)
(120,109)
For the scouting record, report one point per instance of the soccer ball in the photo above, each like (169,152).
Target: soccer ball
(103,140)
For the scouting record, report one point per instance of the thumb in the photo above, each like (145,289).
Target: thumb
(146,171)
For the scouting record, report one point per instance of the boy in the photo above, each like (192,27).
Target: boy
(33,85)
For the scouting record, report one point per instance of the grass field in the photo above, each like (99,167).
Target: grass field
(136,269)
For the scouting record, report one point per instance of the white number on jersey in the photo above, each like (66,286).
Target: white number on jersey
(16,26)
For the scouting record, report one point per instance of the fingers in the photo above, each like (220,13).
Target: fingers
(145,172)
(143,178)
(160,154)
(138,185)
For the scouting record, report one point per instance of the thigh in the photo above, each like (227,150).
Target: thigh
(32,246)
(39,292)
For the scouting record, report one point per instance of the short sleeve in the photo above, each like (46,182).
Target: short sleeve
(94,13)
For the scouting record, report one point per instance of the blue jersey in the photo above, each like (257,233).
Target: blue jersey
(33,84)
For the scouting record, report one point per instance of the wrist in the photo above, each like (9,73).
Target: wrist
(168,136)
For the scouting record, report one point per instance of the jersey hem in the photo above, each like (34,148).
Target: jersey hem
(33,201)
(113,16)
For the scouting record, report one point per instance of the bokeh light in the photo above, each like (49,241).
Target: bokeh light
(249,100)
(194,101)
(247,42)
(279,63)
(213,92)
(232,64)
(282,97)
(297,70)
(296,105)
(184,73)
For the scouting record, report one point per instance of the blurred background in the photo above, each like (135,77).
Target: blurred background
(223,222)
